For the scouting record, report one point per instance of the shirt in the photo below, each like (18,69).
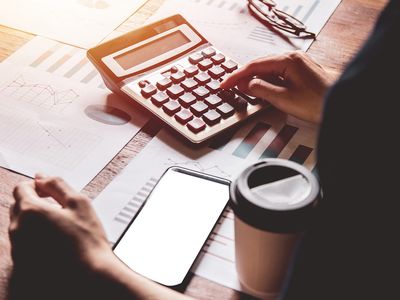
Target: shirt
(350,251)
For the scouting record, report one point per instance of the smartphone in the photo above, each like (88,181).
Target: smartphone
(167,234)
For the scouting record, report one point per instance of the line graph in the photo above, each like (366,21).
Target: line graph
(39,95)
(53,136)
(196,165)
(57,144)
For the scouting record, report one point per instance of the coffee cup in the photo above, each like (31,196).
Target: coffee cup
(273,202)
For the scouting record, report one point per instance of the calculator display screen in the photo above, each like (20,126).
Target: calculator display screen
(152,49)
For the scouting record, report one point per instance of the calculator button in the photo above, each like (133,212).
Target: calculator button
(208,52)
(177,77)
(201,92)
(174,69)
(227,95)
(196,125)
(199,108)
(213,86)
(240,103)
(226,110)
(202,78)
(149,90)
(213,101)
(218,58)
(187,99)
(175,91)
(229,66)
(250,99)
(159,99)
(195,58)
(171,107)
(143,83)
(164,83)
(222,78)
(254,100)
(216,72)
(205,64)
(189,84)
(212,117)
(191,71)
(184,116)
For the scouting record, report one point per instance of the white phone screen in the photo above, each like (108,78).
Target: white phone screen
(168,233)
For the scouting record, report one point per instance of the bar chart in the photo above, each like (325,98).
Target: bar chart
(58,59)
(269,137)
(131,208)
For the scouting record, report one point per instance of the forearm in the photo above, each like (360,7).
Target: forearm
(119,280)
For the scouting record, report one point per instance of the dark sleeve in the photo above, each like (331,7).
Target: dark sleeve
(351,251)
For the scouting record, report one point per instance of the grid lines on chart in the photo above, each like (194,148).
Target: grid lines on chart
(196,165)
(40,95)
(60,145)
(63,146)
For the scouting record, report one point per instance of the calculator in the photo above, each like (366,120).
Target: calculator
(169,68)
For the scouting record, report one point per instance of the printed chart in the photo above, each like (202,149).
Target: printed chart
(63,146)
(229,26)
(58,59)
(40,95)
(59,126)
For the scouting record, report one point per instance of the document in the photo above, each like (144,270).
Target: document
(269,135)
(82,23)
(57,59)
(59,127)
(229,26)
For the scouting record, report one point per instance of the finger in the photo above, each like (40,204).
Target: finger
(59,190)
(278,96)
(243,85)
(24,191)
(39,176)
(26,197)
(275,65)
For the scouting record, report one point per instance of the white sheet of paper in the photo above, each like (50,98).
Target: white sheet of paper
(266,136)
(82,23)
(60,127)
(57,59)
(228,25)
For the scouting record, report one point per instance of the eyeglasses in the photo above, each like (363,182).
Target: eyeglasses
(266,12)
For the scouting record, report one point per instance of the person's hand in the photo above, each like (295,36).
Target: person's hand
(54,247)
(75,223)
(292,82)
(61,252)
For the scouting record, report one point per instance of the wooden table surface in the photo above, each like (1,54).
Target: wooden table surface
(336,44)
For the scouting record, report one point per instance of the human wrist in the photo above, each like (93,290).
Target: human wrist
(115,276)
(102,261)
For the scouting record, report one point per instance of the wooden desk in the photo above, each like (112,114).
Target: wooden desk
(336,44)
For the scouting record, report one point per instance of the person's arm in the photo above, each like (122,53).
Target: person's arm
(62,252)
(292,82)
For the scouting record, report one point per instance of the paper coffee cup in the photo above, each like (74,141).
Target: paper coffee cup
(273,201)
